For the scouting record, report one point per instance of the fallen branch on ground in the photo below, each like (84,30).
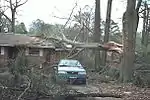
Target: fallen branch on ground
(66,95)
(96,95)
(20,96)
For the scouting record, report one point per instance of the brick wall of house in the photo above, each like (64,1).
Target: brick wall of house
(37,60)
(48,56)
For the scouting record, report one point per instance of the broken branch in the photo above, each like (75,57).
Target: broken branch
(96,95)
(24,91)
(6,17)
(18,5)
(74,55)
(71,51)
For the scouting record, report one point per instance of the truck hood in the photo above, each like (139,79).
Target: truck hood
(76,69)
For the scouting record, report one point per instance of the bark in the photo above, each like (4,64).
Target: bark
(129,31)
(137,10)
(107,30)
(0,22)
(13,21)
(144,24)
(97,34)
(145,33)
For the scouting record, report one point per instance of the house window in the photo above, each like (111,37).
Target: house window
(34,51)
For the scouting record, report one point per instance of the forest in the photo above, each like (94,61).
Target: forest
(116,57)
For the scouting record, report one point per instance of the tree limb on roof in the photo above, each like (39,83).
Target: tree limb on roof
(110,46)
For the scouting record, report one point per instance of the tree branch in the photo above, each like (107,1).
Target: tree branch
(68,20)
(79,21)
(88,28)
(59,17)
(6,17)
(138,5)
(96,95)
(20,96)
(74,55)
(7,1)
(74,48)
(18,5)
(75,38)
(70,15)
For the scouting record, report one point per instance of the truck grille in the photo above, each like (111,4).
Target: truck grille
(72,72)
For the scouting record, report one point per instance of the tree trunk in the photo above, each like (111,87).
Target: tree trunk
(145,32)
(107,30)
(144,24)
(137,10)
(129,31)
(0,22)
(13,22)
(97,34)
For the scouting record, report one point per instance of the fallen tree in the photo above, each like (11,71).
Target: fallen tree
(110,46)
(76,48)
(66,95)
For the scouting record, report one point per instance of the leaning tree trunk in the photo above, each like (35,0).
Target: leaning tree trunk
(107,30)
(129,31)
(97,34)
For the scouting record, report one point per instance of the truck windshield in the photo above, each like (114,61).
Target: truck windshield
(69,63)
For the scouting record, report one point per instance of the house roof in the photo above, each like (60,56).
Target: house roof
(10,39)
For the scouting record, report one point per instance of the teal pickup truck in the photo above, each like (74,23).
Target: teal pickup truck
(69,70)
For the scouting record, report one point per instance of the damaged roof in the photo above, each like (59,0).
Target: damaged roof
(10,39)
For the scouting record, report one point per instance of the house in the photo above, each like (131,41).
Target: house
(41,51)
(37,50)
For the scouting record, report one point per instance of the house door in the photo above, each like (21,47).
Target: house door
(12,52)
(50,57)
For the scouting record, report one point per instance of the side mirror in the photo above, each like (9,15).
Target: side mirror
(83,66)
(54,67)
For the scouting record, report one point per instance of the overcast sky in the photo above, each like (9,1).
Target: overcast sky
(46,9)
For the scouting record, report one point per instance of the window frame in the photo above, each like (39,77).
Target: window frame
(31,53)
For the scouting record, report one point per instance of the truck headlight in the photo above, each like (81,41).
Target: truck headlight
(62,72)
(83,73)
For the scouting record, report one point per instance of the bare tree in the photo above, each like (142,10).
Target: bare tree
(0,17)
(0,22)
(97,35)
(130,24)
(107,29)
(145,31)
(13,5)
